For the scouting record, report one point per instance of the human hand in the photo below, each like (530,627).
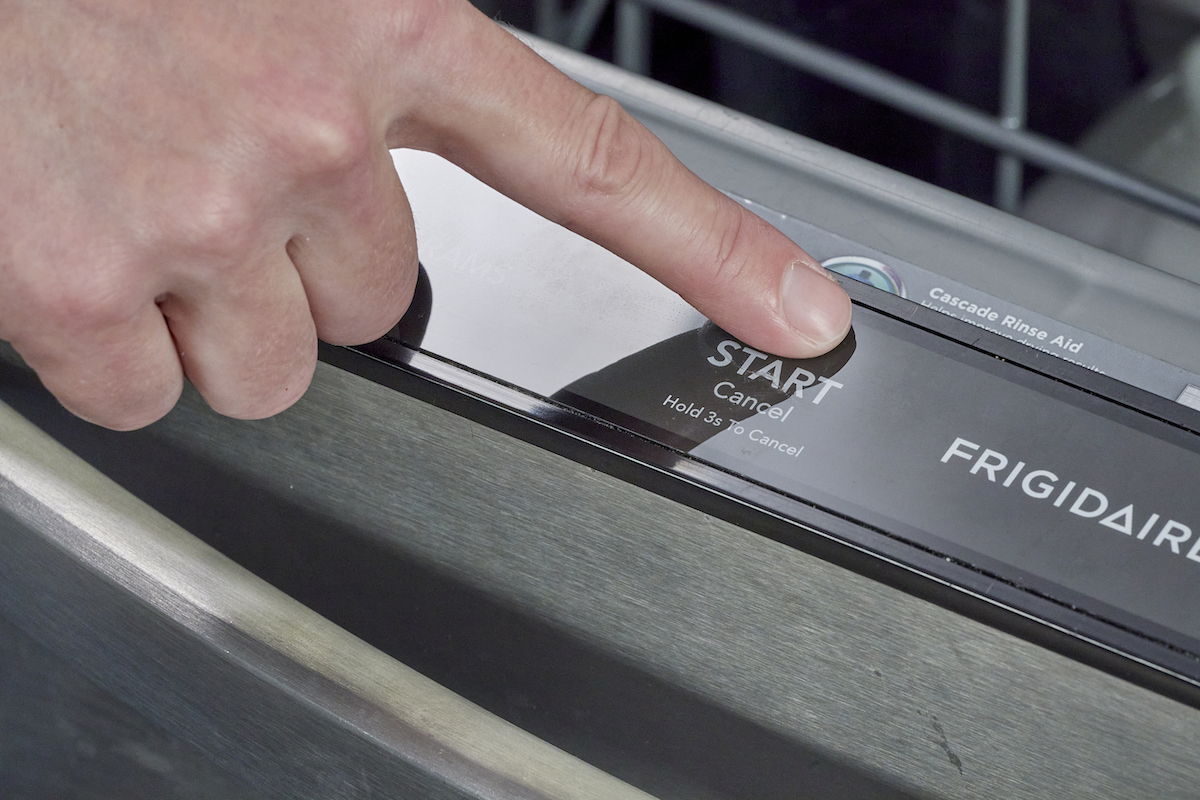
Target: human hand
(204,189)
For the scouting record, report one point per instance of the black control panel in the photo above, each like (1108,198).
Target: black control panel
(1013,486)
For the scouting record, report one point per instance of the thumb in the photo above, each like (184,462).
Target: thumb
(581,160)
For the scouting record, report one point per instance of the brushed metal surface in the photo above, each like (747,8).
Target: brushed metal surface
(267,689)
(64,737)
(677,651)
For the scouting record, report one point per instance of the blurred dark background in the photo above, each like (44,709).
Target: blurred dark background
(1085,56)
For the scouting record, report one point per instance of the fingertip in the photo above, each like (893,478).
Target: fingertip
(815,306)
(764,289)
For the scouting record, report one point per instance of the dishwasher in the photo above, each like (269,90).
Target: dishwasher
(558,536)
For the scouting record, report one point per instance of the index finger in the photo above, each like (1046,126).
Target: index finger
(501,112)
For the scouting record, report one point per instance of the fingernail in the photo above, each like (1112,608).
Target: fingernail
(815,305)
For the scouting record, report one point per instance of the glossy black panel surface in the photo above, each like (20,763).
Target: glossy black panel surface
(946,459)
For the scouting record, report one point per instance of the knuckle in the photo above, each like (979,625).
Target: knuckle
(330,143)
(90,301)
(611,151)
(720,254)
(730,267)
(216,218)
(409,27)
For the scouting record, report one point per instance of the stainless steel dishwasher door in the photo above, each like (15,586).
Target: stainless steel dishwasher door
(435,601)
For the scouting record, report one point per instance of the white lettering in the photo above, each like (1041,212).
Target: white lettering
(1044,488)
(826,385)
(1165,535)
(1066,491)
(1146,528)
(1121,520)
(1194,553)
(1084,496)
(954,451)
(1012,476)
(726,356)
(1089,503)
(772,371)
(1023,327)
(795,381)
(763,439)
(751,357)
(990,467)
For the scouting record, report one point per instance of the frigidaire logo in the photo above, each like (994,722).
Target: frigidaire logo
(1088,503)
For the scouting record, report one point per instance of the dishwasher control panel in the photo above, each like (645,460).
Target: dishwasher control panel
(939,447)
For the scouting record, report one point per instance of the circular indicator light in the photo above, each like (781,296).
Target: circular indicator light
(867,270)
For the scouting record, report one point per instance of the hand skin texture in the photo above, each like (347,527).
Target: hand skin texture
(204,188)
